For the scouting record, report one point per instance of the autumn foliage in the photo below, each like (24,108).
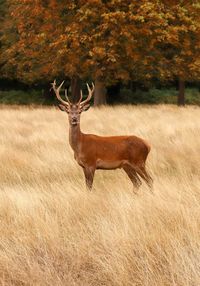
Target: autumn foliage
(104,40)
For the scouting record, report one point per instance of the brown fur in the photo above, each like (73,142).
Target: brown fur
(94,152)
(108,153)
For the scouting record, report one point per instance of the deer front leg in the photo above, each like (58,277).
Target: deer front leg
(89,176)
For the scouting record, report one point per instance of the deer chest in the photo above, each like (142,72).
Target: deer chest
(79,159)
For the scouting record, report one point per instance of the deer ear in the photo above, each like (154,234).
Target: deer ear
(62,107)
(86,107)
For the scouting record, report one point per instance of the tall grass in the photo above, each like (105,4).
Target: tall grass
(54,232)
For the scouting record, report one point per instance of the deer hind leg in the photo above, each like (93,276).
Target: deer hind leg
(145,176)
(132,176)
(89,176)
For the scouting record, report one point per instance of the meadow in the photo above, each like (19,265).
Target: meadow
(55,232)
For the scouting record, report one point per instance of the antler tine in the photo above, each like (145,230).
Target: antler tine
(57,92)
(60,85)
(67,96)
(81,97)
(91,91)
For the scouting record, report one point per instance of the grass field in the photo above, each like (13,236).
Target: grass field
(54,232)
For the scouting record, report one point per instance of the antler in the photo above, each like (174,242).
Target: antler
(67,97)
(90,91)
(57,92)
(81,97)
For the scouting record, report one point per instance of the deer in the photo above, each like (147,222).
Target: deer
(93,152)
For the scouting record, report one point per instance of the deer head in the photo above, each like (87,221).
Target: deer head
(74,110)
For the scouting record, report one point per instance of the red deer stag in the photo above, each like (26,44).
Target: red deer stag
(94,152)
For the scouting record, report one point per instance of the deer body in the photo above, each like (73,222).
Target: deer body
(94,152)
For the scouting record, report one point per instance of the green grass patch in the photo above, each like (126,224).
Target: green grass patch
(21,97)
(158,96)
(153,96)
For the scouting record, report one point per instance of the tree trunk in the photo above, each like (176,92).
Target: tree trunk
(75,88)
(99,93)
(181,93)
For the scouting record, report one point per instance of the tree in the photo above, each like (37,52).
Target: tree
(181,43)
(2,19)
(106,40)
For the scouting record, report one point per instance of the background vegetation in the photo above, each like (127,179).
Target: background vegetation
(126,96)
(113,43)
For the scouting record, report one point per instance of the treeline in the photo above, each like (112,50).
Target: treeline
(117,44)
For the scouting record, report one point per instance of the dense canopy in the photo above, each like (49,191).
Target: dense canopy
(105,41)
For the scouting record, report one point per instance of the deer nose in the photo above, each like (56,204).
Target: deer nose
(74,120)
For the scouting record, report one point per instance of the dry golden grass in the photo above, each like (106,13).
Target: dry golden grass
(54,232)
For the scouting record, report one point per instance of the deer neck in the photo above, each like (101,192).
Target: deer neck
(75,137)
